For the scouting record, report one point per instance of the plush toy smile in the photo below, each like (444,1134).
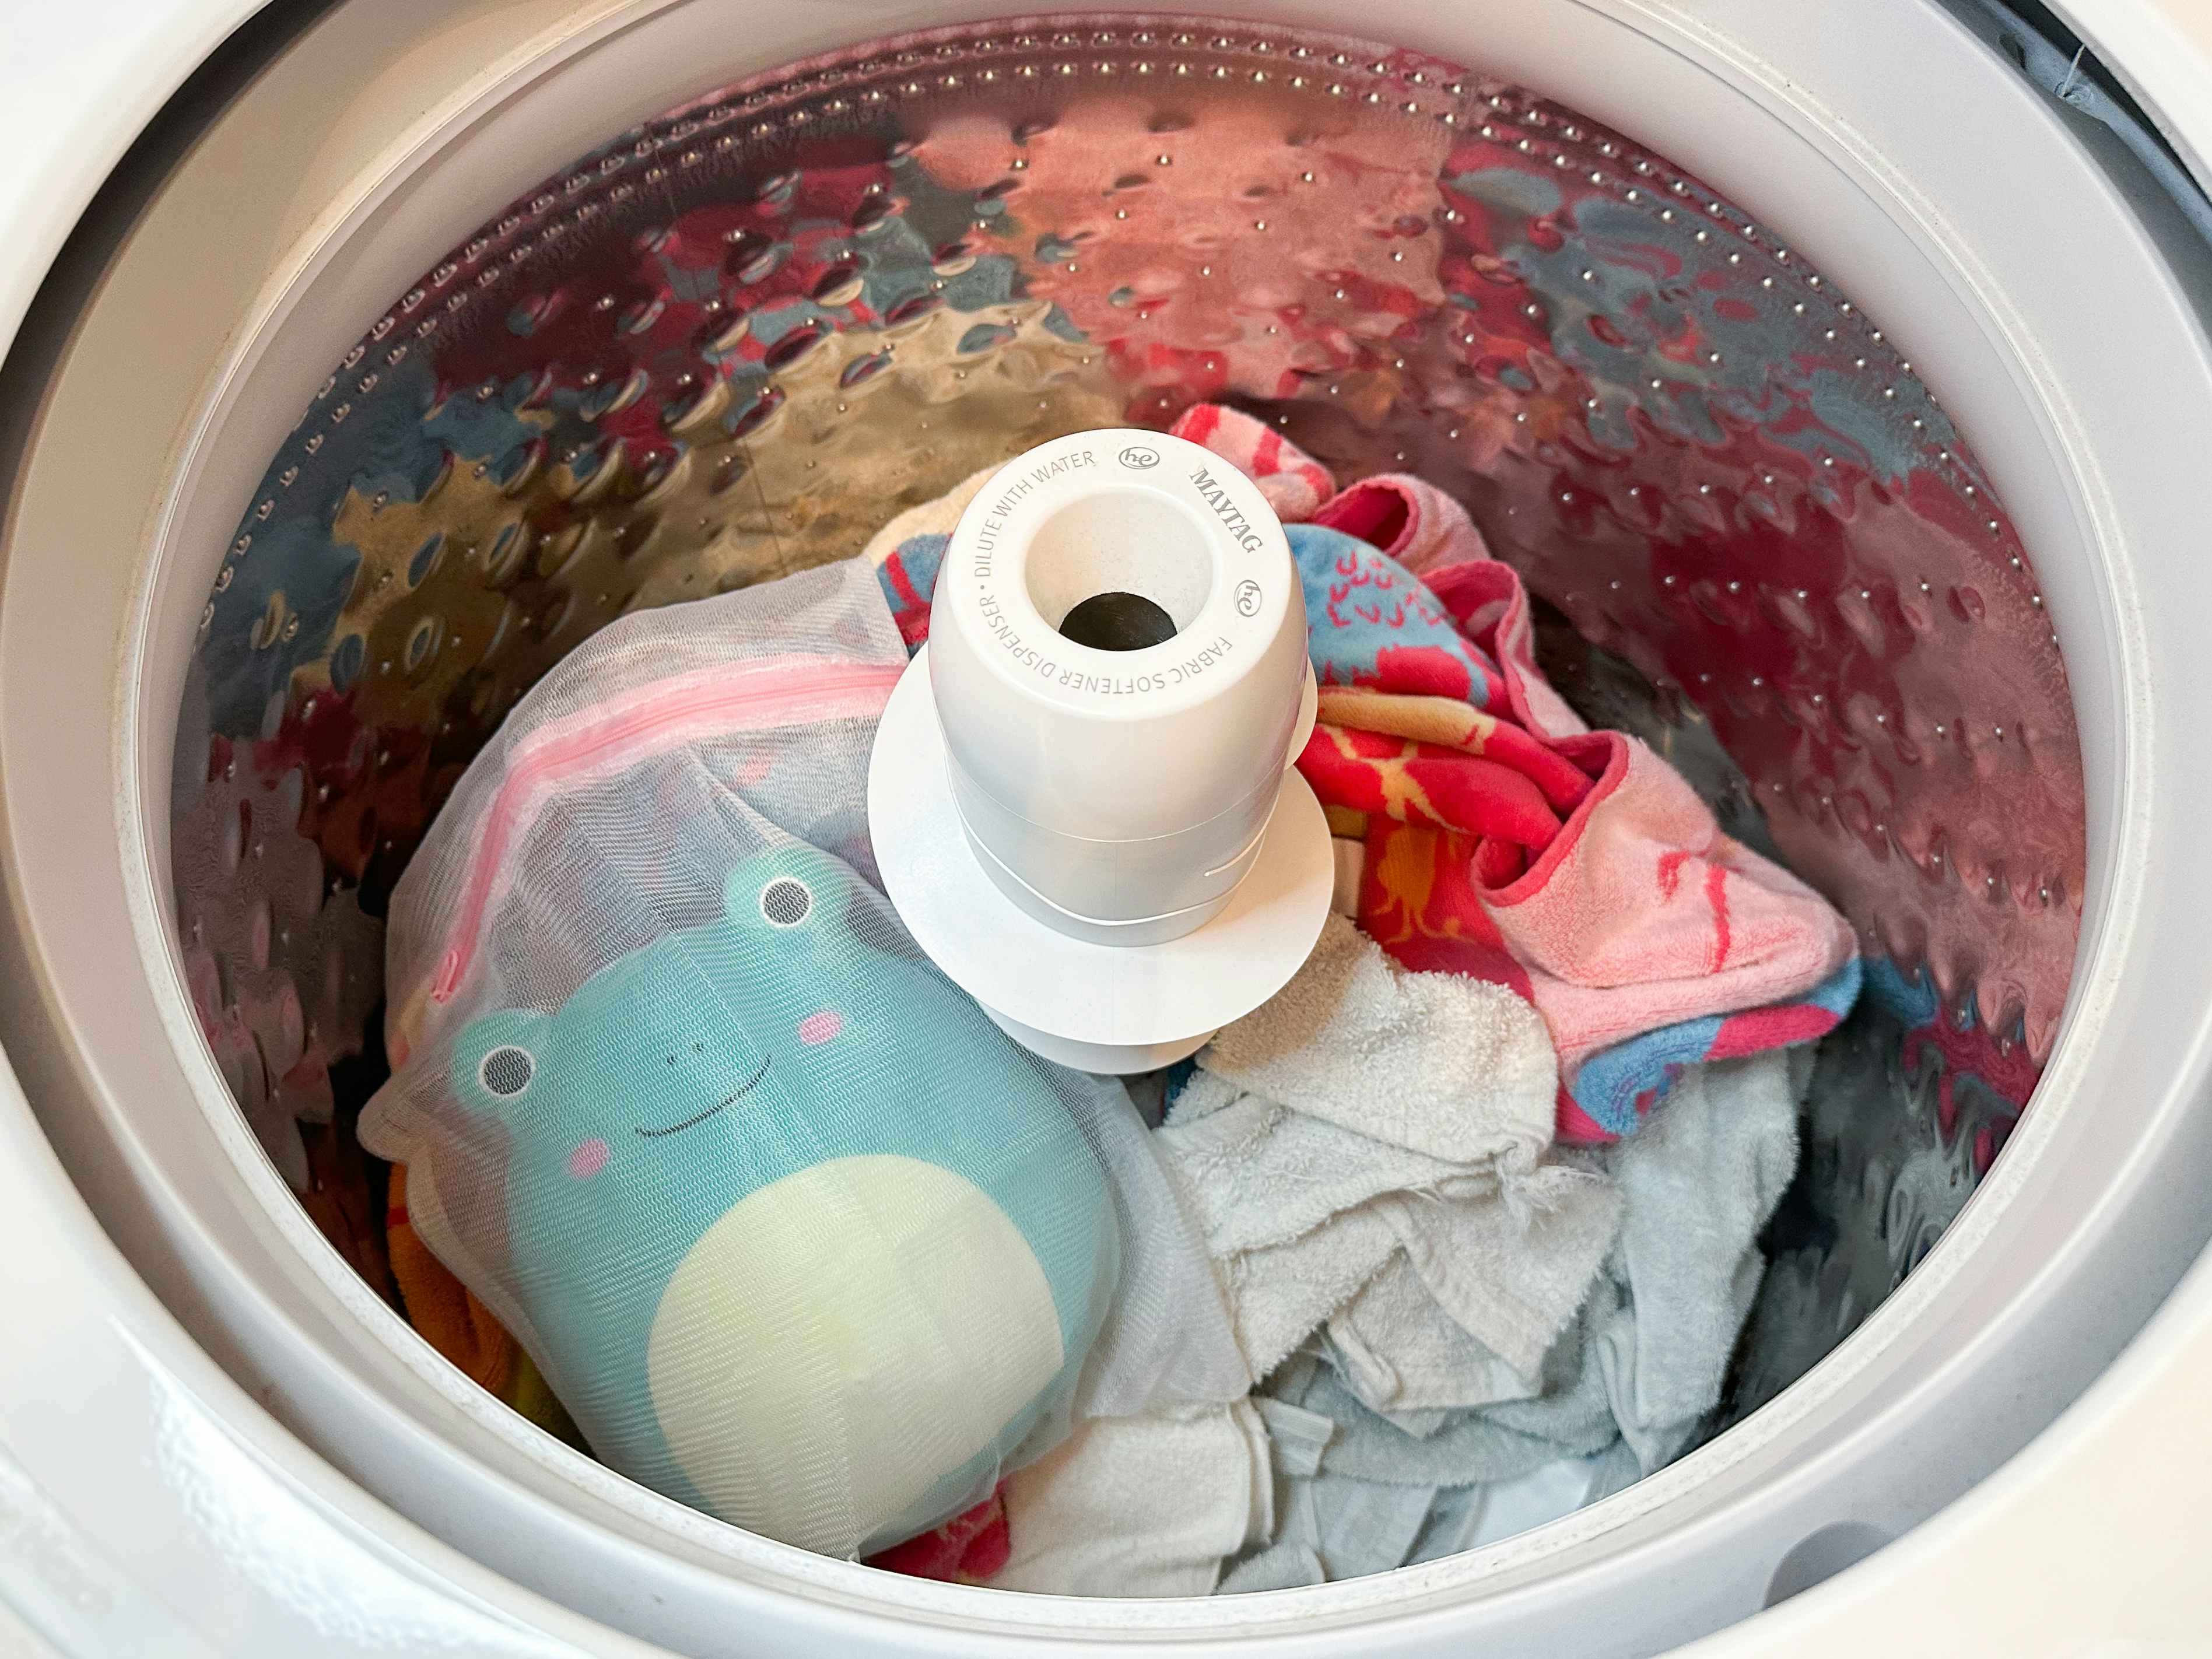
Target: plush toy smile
(687,1122)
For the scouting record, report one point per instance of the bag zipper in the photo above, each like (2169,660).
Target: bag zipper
(651,719)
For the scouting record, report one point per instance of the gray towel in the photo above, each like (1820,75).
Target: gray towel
(1699,1181)
(1619,1395)
(1368,1121)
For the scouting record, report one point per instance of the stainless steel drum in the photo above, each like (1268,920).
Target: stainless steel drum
(729,341)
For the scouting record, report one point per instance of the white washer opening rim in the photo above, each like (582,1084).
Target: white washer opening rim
(1990,349)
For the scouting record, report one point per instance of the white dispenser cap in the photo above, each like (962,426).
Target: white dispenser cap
(1108,848)
(1118,794)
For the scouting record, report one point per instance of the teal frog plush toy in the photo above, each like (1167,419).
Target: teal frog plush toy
(800,1238)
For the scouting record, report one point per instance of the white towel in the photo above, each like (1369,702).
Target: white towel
(1437,1063)
(1367,1117)
(1408,1359)
(1140,1506)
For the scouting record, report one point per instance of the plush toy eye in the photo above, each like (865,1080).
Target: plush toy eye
(507,1071)
(784,903)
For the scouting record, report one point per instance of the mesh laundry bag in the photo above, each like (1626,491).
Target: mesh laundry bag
(797,1235)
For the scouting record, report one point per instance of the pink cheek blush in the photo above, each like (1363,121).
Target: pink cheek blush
(820,1027)
(588,1159)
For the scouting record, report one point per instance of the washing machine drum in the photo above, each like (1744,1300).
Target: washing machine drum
(592,309)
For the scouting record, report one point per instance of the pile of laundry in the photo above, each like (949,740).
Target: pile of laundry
(1482,1187)
(1483,1184)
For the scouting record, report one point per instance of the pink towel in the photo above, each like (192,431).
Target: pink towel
(1506,840)
(966,1550)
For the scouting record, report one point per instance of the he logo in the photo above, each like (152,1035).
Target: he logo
(1247,598)
(1137,456)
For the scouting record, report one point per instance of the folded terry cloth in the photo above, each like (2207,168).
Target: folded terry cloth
(1437,1065)
(1145,1506)
(1407,1357)
(1368,1122)
(1483,829)
(1619,1395)
(1697,1187)
(1649,1354)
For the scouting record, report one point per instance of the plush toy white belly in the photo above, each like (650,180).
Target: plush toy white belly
(841,1340)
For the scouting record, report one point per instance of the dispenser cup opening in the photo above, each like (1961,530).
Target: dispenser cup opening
(1120,568)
